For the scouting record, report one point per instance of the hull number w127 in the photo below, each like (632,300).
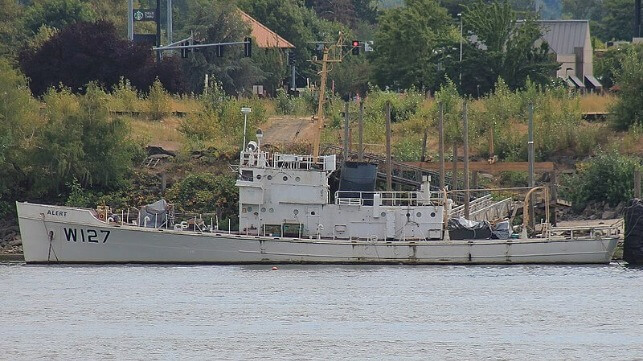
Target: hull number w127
(86,235)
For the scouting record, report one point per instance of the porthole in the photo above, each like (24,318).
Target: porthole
(296,211)
(258,176)
(285,178)
(312,213)
(256,213)
(432,214)
(269,177)
(263,210)
(249,209)
(244,210)
(418,214)
(271,210)
(408,215)
(383,214)
(297,179)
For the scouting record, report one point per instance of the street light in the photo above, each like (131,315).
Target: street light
(245,111)
(461,36)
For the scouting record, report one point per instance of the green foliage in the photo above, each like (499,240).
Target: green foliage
(452,107)
(298,24)
(513,179)
(19,122)
(628,109)
(216,21)
(206,193)
(408,149)
(79,197)
(608,177)
(405,44)
(80,140)
(511,52)
(159,102)
(56,14)
(10,34)
(124,97)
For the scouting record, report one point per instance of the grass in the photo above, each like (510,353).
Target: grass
(594,103)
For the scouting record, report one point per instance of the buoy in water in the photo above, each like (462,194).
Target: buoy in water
(274,268)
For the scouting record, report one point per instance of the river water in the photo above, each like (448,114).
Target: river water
(321,312)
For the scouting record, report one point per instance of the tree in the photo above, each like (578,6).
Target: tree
(80,140)
(10,12)
(299,25)
(406,42)
(628,110)
(56,14)
(19,121)
(214,21)
(503,47)
(616,20)
(85,52)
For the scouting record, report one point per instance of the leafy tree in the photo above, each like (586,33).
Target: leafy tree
(628,109)
(582,9)
(405,42)
(56,14)
(615,22)
(608,177)
(503,47)
(351,76)
(608,63)
(10,12)
(85,52)
(80,140)
(18,122)
(216,21)
(206,193)
(299,25)
(342,11)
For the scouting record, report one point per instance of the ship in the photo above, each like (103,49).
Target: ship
(288,214)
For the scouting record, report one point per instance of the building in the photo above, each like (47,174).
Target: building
(571,42)
(264,37)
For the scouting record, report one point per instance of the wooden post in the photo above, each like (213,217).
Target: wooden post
(389,165)
(474,180)
(637,183)
(530,153)
(423,158)
(346,127)
(554,196)
(441,131)
(467,194)
(360,150)
(454,176)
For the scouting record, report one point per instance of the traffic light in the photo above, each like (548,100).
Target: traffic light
(291,58)
(355,44)
(184,51)
(219,50)
(247,47)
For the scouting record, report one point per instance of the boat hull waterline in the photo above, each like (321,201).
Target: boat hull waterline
(52,234)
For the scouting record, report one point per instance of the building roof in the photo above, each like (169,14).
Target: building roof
(565,35)
(264,37)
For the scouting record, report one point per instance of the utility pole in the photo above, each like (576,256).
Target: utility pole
(461,35)
(130,20)
(158,29)
(441,131)
(467,193)
(360,150)
(530,150)
(169,21)
(346,130)
(389,166)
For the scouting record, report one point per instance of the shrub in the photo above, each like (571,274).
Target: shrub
(608,177)
(159,103)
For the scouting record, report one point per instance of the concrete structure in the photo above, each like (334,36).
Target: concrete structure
(571,42)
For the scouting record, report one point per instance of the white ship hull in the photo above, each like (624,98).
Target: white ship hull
(52,234)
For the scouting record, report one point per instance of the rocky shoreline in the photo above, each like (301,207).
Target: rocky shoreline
(10,242)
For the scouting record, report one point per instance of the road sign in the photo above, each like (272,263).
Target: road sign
(144,14)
